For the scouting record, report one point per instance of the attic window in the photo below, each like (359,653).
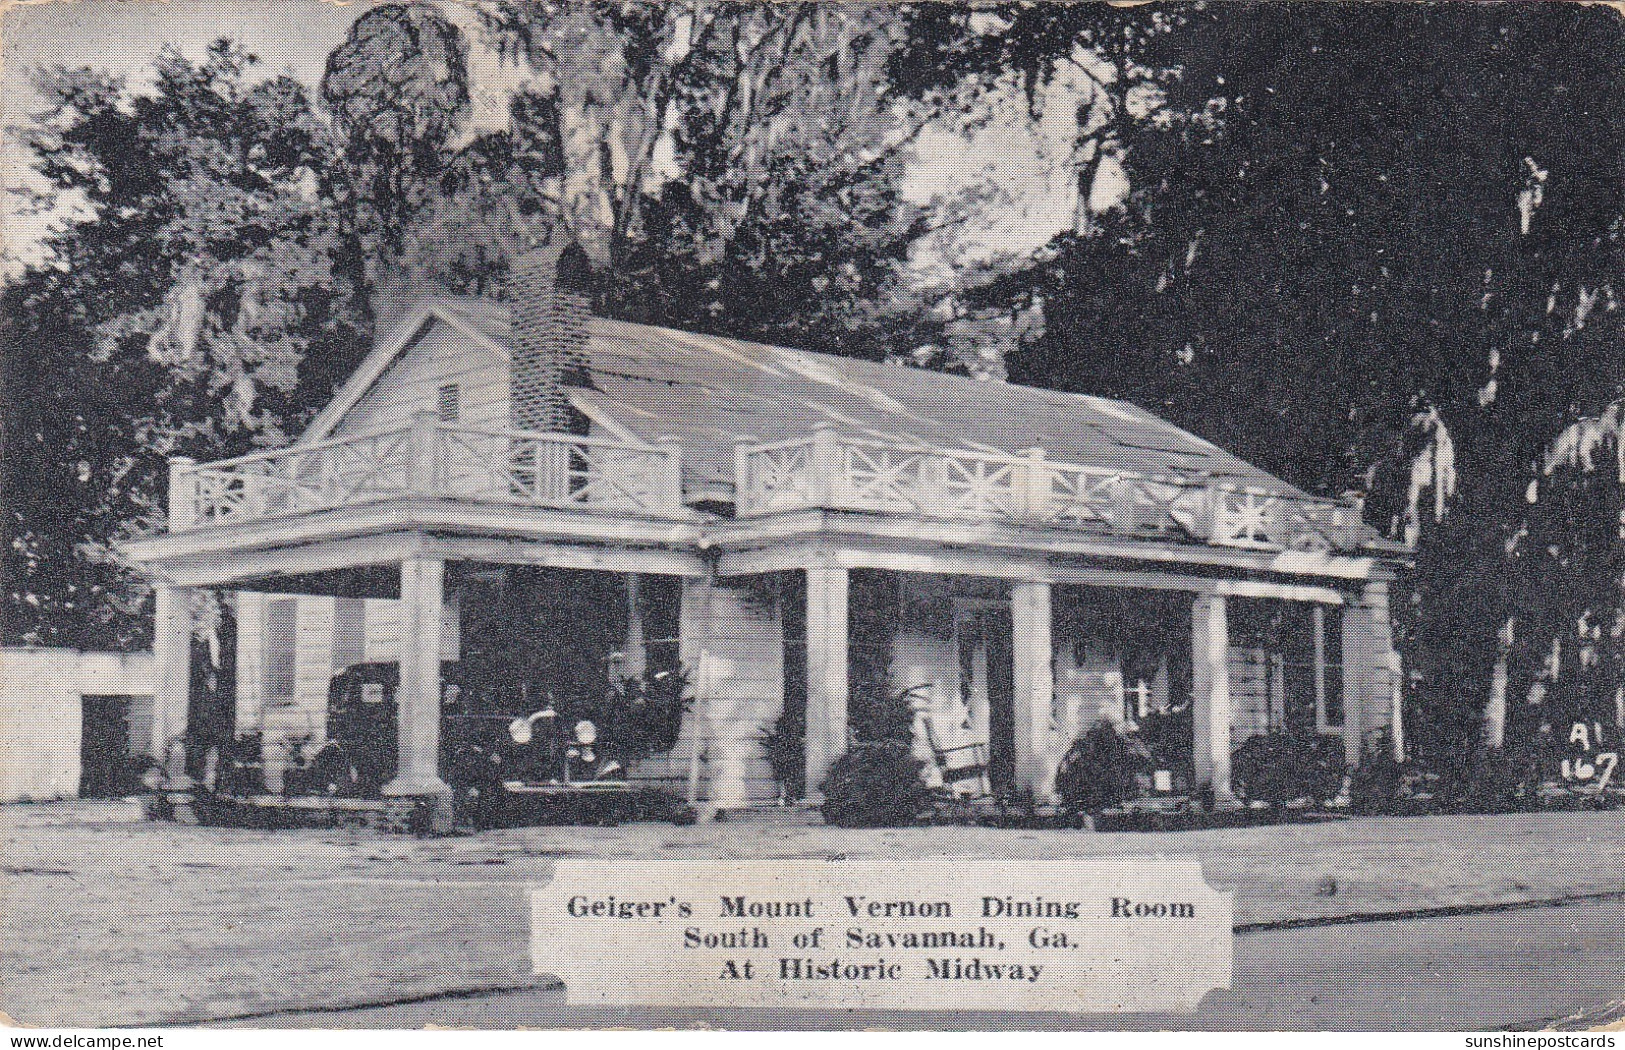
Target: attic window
(450,404)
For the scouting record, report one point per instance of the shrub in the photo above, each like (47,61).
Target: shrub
(296,764)
(1377,785)
(786,747)
(241,769)
(1170,743)
(655,804)
(1101,769)
(1285,765)
(875,786)
(877,716)
(1494,780)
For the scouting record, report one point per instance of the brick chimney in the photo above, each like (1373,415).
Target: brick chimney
(549,302)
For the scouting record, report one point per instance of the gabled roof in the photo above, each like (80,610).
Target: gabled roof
(710,391)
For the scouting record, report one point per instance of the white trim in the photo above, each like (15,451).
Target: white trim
(729,535)
(378,360)
(598,415)
(161,552)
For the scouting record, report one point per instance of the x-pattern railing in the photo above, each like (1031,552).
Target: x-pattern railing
(429,459)
(884,476)
(977,486)
(314,477)
(775,476)
(832,470)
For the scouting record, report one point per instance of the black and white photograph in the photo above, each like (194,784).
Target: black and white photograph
(963,517)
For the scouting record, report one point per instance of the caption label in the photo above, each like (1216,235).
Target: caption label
(926,933)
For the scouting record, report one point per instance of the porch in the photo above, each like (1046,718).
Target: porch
(1015,668)
(995,573)
(431,458)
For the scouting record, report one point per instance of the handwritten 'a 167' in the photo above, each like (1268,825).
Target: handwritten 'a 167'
(1599,767)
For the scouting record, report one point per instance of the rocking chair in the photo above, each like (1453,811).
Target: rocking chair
(964,764)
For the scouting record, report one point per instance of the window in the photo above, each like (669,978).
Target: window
(450,403)
(349,632)
(1294,662)
(281,634)
(1329,687)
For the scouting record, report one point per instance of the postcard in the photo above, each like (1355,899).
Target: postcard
(838,515)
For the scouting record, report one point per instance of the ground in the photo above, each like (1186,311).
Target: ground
(112,922)
(1527,968)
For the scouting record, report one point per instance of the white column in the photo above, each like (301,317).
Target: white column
(1368,668)
(1495,712)
(182,493)
(425,454)
(1317,627)
(417,701)
(172,657)
(1210,703)
(1033,653)
(672,475)
(826,672)
(824,466)
(635,647)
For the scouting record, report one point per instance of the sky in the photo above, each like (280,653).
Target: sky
(295,36)
(122,37)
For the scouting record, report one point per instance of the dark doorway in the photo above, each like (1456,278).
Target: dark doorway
(1001,695)
(987,676)
(106,767)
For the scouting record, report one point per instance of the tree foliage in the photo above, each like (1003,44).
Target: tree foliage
(192,310)
(1363,268)
(238,237)
(731,167)
(398,92)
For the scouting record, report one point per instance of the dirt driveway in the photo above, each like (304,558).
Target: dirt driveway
(108,922)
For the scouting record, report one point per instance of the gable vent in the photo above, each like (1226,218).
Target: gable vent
(449,404)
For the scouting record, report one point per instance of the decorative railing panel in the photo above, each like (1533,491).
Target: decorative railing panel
(777,476)
(830,470)
(430,459)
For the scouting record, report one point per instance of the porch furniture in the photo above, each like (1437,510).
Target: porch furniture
(963,768)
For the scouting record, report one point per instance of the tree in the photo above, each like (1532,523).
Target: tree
(398,92)
(191,312)
(1566,650)
(1362,268)
(716,159)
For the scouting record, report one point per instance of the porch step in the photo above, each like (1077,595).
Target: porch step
(799,815)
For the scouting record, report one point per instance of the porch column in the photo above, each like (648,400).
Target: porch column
(172,657)
(1369,676)
(417,701)
(1210,700)
(635,648)
(1032,653)
(826,672)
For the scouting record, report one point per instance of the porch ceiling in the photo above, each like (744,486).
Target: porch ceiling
(787,540)
(387,531)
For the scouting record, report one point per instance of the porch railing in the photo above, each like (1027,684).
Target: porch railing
(429,458)
(831,470)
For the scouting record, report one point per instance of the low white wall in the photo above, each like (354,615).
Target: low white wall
(41,711)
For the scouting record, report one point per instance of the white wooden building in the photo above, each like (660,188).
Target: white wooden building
(1032,560)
